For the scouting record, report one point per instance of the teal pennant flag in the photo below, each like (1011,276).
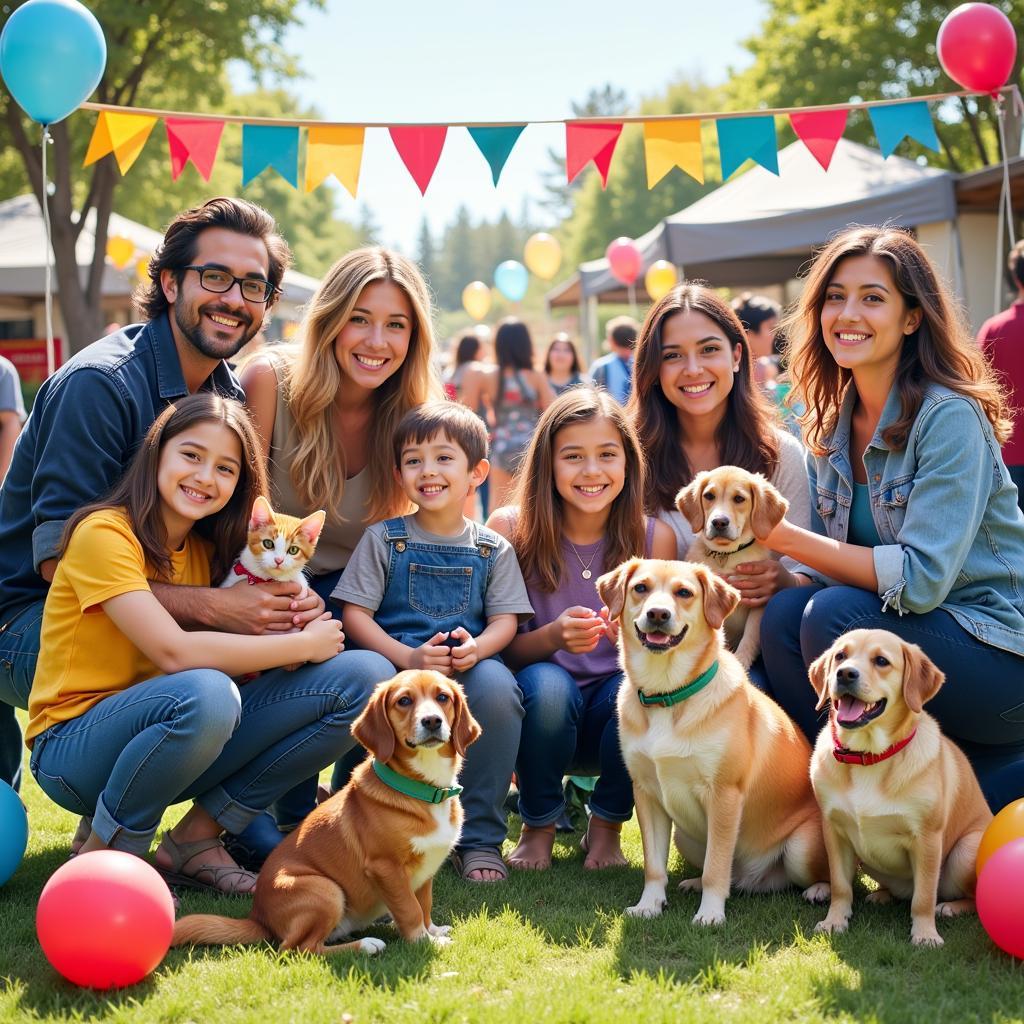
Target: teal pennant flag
(896,121)
(747,138)
(266,146)
(496,144)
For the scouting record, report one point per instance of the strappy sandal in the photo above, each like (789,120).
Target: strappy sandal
(486,858)
(607,826)
(215,878)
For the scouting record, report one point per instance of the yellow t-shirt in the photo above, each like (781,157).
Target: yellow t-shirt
(83,656)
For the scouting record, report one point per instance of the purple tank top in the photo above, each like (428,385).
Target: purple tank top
(603,660)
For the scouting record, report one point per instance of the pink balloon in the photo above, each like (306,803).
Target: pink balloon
(1000,898)
(105,919)
(624,260)
(977,47)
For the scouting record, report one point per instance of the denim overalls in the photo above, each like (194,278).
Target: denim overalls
(434,588)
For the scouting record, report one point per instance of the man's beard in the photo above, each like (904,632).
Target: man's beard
(207,346)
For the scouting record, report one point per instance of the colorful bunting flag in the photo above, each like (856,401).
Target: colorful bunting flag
(496,144)
(337,150)
(273,146)
(124,135)
(586,141)
(820,131)
(896,121)
(747,138)
(195,140)
(669,144)
(420,147)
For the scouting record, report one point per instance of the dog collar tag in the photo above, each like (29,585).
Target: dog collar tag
(413,787)
(666,700)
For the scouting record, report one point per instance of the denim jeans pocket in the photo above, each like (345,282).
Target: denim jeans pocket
(56,787)
(440,590)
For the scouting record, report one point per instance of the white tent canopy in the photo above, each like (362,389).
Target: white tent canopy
(759,229)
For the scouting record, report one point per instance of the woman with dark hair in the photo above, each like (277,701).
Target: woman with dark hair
(915,527)
(517,393)
(467,351)
(562,363)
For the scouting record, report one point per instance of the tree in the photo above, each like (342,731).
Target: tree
(426,253)
(169,54)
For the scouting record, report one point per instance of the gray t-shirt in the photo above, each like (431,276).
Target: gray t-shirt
(366,574)
(10,390)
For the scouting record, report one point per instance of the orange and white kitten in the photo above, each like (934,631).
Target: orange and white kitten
(278,547)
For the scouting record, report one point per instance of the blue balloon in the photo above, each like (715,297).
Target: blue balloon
(511,278)
(52,56)
(13,832)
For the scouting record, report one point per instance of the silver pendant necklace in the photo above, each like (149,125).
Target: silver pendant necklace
(585,566)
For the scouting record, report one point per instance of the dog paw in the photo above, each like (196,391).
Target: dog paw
(926,937)
(712,916)
(880,897)
(439,940)
(691,885)
(820,892)
(440,929)
(371,946)
(951,908)
(832,926)
(646,909)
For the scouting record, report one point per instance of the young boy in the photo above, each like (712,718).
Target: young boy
(436,590)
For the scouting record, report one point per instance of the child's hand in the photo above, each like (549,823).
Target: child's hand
(324,637)
(434,654)
(611,625)
(465,656)
(578,630)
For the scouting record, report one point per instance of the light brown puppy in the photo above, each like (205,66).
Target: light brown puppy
(370,849)
(728,509)
(894,792)
(706,751)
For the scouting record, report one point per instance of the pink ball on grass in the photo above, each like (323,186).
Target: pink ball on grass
(1000,898)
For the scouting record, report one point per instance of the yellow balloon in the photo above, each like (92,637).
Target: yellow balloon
(1006,826)
(660,279)
(542,255)
(476,299)
(142,269)
(120,251)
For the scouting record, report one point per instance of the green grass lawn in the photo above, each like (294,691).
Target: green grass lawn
(541,947)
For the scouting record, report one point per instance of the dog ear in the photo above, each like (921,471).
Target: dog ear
(770,507)
(688,502)
(465,729)
(720,599)
(611,587)
(921,677)
(373,727)
(818,675)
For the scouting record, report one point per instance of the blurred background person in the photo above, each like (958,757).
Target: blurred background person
(614,371)
(562,363)
(12,412)
(760,318)
(471,356)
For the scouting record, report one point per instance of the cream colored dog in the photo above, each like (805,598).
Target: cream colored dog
(728,509)
(705,749)
(894,792)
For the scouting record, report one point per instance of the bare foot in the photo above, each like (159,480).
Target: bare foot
(602,846)
(533,852)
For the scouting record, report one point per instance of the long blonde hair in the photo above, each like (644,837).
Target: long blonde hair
(940,351)
(312,379)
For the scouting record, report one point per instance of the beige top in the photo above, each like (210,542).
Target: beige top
(338,539)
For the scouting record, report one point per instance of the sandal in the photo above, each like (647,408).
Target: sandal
(82,833)
(217,878)
(605,826)
(485,858)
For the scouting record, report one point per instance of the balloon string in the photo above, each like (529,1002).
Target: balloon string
(49,283)
(1006,198)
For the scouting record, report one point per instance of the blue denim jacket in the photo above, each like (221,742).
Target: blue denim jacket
(86,424)
(945,510)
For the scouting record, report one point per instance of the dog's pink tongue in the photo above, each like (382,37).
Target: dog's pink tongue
(849,709)
(658,638)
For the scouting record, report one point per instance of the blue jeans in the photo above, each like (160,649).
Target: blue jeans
(19,649)
(1017,476)
(568,729)
(196,735)
(980,707)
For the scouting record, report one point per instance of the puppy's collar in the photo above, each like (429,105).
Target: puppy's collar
(666,700)
(413,787)
(846,756)
(240,570)
(721,556)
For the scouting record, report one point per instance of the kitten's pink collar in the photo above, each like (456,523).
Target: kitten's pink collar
(240,570)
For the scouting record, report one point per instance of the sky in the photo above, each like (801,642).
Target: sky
(464,60)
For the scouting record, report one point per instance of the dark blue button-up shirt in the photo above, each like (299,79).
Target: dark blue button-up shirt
(87,422)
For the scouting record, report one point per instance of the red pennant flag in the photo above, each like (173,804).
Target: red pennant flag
(820,131)
(420,147)
(586,141)
(193,140)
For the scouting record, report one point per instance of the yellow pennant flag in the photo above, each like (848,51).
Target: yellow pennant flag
(124,135)
(337,150)
(669,144)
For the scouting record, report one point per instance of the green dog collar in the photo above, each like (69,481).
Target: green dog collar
(666,700)
(413,787)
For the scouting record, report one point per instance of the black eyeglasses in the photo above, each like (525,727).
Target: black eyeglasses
(254,289)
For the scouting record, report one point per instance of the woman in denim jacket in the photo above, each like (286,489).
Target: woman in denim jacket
(915,525)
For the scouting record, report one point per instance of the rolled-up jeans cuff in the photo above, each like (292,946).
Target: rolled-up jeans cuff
(231,815)
(548,819)
(116,836)
(600,812)
(46,539)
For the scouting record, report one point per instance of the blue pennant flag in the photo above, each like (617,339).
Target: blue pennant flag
(266,146)
(496,144)
(896,121)
(747,138)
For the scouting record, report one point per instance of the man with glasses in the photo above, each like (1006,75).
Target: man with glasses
(213,280)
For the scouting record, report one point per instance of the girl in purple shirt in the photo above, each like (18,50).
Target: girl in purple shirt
(578,511)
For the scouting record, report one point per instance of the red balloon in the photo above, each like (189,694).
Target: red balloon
(1000,898)
(624,260)
(977,47)
(105,919)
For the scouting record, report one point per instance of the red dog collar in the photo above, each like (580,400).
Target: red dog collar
(846,756)
(240,570)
